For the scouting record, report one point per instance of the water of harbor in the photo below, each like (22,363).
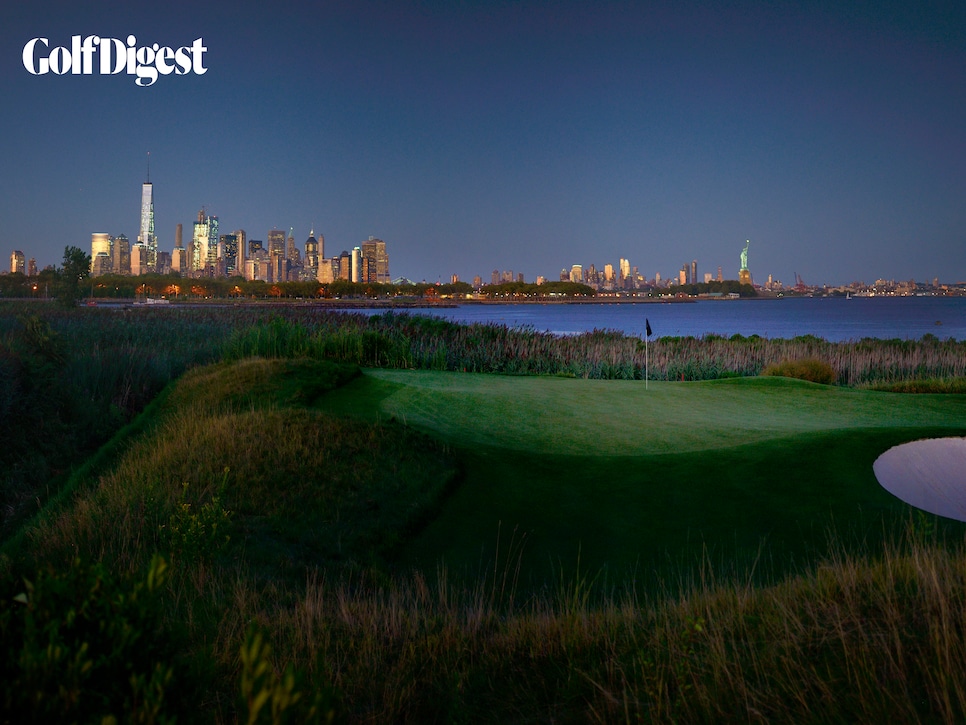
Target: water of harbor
(835,319)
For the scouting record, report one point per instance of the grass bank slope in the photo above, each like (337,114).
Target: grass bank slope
(239,465)
(650,481)
(218,513)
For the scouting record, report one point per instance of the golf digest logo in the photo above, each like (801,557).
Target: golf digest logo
(146,62)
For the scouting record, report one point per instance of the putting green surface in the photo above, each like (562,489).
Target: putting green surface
(629,479)
(620,417)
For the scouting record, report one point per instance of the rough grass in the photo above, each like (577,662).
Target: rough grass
(857,639)
(302,489)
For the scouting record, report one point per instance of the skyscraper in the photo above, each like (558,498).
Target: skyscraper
(229,254)
(242,249)
(198,252)
(17,262)
(179,257)
(312,256)
(291,251)
(276,242)
(212,241)
(147,237)
(203,253)
(356,274)
(374,251)
(138,255)
(121,263)
(101,258)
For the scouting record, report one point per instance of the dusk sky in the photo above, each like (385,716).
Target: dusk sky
(524,136)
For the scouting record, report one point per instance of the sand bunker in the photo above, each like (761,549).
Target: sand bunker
(928,474)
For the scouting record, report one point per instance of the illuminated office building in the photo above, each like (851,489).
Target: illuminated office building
(242,249)
(147,238)
(179,257)
(377,264)
(292,252)
(356,265)
(276,242)
(203,254)
(101,258)
(228,252)
(312,256)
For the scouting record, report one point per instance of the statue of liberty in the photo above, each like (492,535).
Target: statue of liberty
(744,276)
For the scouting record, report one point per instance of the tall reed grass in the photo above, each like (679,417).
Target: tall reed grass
(403,340)
(859,638)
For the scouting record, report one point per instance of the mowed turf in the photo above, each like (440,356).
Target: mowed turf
(623,479)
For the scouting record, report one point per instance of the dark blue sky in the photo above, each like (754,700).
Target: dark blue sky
(530,136)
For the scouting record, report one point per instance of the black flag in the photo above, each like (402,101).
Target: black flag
(647,327)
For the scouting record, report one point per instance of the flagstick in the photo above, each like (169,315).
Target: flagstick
(647,334)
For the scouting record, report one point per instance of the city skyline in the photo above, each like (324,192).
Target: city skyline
(211,254)
(505,135)
(214,254)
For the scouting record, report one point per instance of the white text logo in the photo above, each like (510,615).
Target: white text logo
(146,62)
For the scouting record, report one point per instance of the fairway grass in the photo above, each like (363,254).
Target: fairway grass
(605,476)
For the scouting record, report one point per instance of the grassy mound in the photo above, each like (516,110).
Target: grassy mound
(242,489)
(238,464)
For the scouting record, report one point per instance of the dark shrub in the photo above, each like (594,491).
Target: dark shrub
(811,369)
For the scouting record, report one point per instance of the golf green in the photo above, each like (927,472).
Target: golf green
(624,479)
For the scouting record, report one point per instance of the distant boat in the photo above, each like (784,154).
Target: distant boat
(848,295)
